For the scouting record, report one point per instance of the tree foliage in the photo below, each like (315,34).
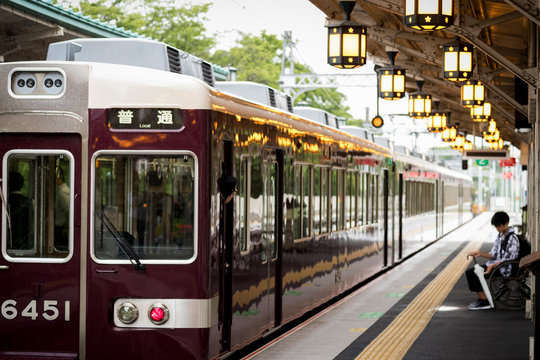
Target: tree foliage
(257,57)
(180,27)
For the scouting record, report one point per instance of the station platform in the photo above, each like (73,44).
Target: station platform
(417,310)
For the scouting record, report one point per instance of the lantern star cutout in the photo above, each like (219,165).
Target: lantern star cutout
(350,60)
(428,19)
(351,30)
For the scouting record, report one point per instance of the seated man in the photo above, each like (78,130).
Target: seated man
(506,247)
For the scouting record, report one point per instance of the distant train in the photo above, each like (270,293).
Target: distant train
(147,214)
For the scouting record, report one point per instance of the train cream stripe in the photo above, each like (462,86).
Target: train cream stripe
(397,338)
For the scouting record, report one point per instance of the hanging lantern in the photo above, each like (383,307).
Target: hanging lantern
(458,142)
(347,41)
(436,122)
(428,15)
(492,127)
(472,93)
(391,79)
(419,103)
(497,145)
(481,113)
(492,137)
(467,145)
(457,61)
(449,134)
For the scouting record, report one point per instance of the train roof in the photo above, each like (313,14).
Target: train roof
(144,53)
(188,92)
(318,115)
(259,92)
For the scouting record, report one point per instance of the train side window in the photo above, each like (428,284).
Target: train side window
(147,202)
(341,182)
(306,203)
(324,200)
(367,195)
(348,200)
(317,201)
(269,210)
(337,200)
(39,188)
(297,202)
(360,201)
(243,204)
(407,198)
(374,198)
(334,200)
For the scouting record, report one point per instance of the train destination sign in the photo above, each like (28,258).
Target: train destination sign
(145,119)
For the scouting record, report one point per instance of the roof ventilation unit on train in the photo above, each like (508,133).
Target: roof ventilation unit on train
(358,132)
(317,115)
(384,142)
(257,92)
(402,149)
(136,52)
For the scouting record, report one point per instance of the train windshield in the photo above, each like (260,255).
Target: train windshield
(147,203)
(40,205)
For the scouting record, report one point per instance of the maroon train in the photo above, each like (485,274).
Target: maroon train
(148,215)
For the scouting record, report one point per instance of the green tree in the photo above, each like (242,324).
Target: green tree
(180,27)
(258,59)
(255,57)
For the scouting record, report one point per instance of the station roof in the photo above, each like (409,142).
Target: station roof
(501,31)
(504,37)
(27,27)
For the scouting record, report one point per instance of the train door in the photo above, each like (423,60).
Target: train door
(385,214)
(400,221)
(226,251)
(272,232)
(437,210)
(39,271)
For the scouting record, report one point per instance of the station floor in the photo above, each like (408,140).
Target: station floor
(418,310)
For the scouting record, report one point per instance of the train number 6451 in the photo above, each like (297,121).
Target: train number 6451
(49,309)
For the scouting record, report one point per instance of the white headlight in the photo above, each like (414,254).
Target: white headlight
(127,313)
(24,83)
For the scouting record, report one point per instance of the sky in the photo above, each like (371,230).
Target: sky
(307,25)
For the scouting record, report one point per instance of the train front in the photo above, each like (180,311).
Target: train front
(102,207)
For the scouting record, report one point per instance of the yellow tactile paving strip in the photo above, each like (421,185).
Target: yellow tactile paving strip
(398,337)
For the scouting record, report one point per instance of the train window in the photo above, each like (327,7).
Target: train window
(337,200)
(324,200)
(317,201)
(146,202)
(367,194)
(40,206)
(306,204)
(373,192)
(243,210)
(360,200)
(350,197)
(269,242)
(297,203)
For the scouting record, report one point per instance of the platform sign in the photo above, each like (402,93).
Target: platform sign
(145,119)
(508,175)
(482,162)
(508,162)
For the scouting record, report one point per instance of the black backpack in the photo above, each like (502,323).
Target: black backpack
(524,245)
